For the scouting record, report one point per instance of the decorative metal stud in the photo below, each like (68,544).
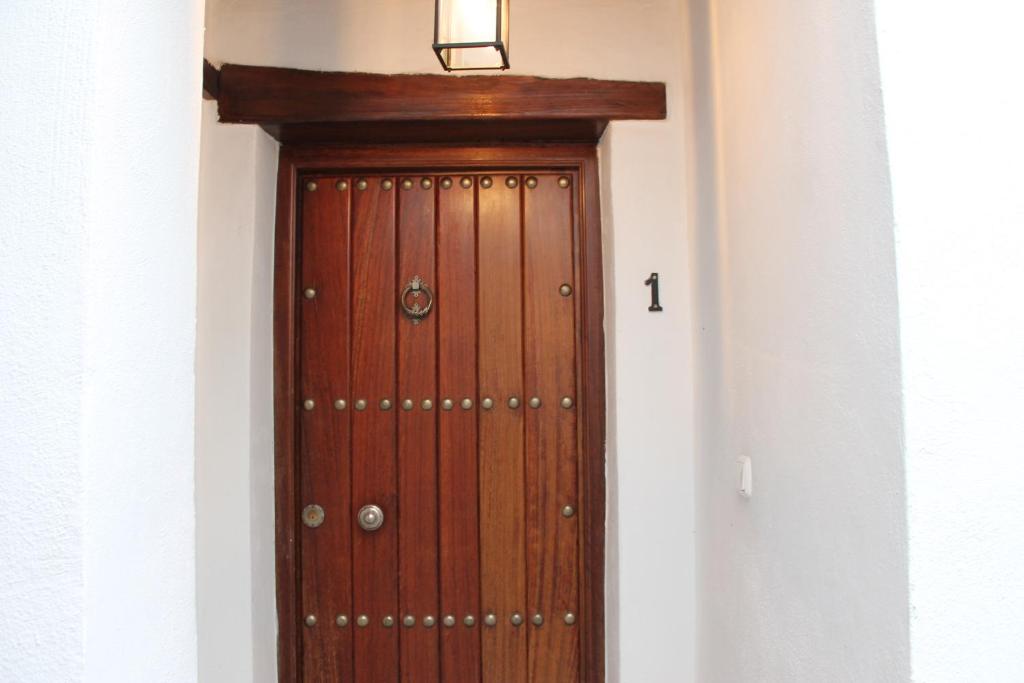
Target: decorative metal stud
(491,619)
(535,402)
(513,403)
(340,404)
(563,181)
(387,183)
(341,620)
(361,404)
(341,186)
(487,403)
(312,516)
(467,403)
(567,401)
(407,404)
(388,621)
(486,182)
(448,620)
(310,620)
(569,618)
(568,511)
(447,404)
(469,621)
(427,404)
(516,619)
(408,621)
(426,183)
(311,186)
(362,621)
(407,184)
(537,619)
(531,182)
(385,404)
(309,404)
(565,290)
(466,182)
(370,518)
(309,293)
(429,621)
(446,183)
(361,184)
(511,182)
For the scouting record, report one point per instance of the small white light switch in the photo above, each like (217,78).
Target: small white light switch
(746,478)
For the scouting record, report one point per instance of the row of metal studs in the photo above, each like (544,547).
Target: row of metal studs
(446,404)
(409,620)
(511,182)
(310,292)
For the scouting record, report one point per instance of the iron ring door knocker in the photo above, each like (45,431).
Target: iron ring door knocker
(414,290)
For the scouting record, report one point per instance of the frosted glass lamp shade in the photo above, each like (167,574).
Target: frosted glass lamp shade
(471,34)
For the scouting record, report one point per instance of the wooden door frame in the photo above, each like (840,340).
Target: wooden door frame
(581,159)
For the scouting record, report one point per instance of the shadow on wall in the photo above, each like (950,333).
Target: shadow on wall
(796,342)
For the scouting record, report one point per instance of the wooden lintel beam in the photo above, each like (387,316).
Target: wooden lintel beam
(275,96)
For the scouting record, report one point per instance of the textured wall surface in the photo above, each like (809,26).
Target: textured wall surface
(234,407)
(797,348)
(953,120)
(42,245)
(100,132)
(651,580)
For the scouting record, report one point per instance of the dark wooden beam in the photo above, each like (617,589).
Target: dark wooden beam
(297,106)
(211,81)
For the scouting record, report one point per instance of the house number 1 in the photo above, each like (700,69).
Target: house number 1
(652,282)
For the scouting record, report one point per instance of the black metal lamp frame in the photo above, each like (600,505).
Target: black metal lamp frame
(443,50)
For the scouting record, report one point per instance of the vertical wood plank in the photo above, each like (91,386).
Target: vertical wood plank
(374,472)
(324,466)
(458,481)
(551,450)
(591,411)
(417,440)
(502,506)
(286,433)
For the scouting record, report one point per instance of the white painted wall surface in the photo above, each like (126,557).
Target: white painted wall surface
(234,405)
(651,563)
(797,356)
(45,71)
(953,118)
(100,133)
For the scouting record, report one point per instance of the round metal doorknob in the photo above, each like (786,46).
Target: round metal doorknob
(370,517)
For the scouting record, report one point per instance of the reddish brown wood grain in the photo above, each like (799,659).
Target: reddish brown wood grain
(417,437)
(483,131)
(286,509)
(374,475)
(308,107)
(268,95)
(591,413)
(324,433)
(551,448)
(502,493)
(456,369)
(457,493)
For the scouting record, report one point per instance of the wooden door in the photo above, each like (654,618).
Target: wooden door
(439,457)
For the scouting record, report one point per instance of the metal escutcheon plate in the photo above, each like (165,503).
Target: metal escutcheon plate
(370,518)
(312,516)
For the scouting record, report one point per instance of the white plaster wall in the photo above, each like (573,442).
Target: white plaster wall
(45,70)
(797,347)
(651,552)
(234,406)
(100,134)
(953,118)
